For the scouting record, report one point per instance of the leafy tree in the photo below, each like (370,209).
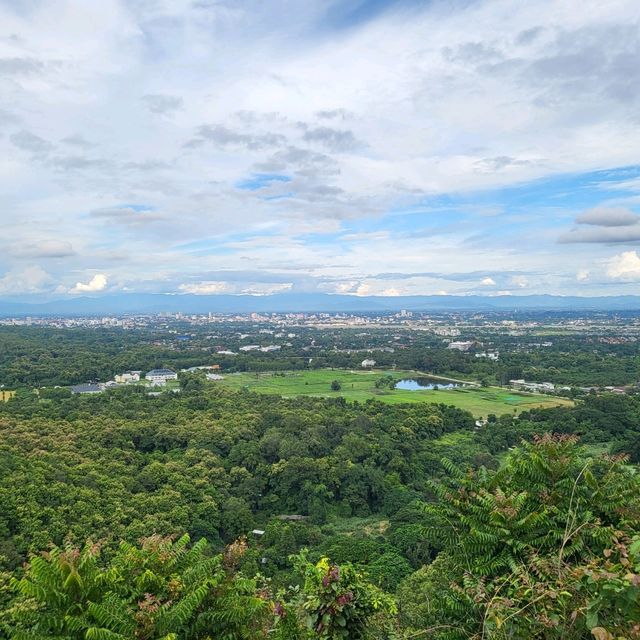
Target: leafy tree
(161,590)
(388,570)
(338,603)
(335,385)
(520,544)
(236,517)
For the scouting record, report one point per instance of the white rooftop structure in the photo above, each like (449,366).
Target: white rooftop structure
(161,375)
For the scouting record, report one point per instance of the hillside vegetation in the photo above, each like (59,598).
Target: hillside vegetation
(402,541)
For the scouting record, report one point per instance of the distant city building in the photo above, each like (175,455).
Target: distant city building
(541,387)
(160,376)
(88,388)
(271,347)
(368,362)
(461,346)
(128,377)
(490,355)
(447,331)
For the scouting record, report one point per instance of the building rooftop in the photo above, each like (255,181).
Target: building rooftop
(87,388)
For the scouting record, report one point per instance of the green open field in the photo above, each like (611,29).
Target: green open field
(360,385)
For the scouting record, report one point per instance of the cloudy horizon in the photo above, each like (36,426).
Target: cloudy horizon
(362,147)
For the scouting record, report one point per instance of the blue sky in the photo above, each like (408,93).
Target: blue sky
(361,147)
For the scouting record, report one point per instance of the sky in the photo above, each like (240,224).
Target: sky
(364,147)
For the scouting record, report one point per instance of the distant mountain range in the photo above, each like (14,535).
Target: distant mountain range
(310,302)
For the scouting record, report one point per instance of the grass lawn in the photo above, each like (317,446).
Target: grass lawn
(360,385)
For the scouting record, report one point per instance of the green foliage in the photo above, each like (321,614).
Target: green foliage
(519,542)
(388,570)
(385,382)
(160,590)
(544,547)
(123,465)
(339,603)
(165,590)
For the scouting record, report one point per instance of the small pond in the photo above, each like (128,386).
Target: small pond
(424,384)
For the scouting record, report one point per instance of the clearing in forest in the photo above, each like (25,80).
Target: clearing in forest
(361,386)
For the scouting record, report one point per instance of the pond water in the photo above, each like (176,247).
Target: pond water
(423,384)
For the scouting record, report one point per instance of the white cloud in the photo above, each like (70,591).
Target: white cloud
(370,121)
(604,225)
(97,283)
(32,279)
(265,288)
(608,217)
(205,288)
(583,275)
(520,281)
(212,287)
(625,266)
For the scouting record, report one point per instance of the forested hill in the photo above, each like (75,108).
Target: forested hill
(213,464)
(216,464)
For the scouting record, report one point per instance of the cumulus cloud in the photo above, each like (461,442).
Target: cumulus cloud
(334,139)
(602,235)
(205,288)
(604,225)
(31,279)
(223,136)
(520,281)
(265,289)
(346,287)
(394,144)
(97,283)
(625,266)
(608,217)
(583,275)
(488,282)
(215,287)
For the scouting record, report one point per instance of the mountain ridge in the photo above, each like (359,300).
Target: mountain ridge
(309,303)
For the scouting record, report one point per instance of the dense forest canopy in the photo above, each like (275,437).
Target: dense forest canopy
(122,466)
(217,513)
